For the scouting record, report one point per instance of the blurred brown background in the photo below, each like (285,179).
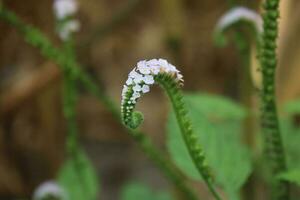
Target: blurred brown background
(115,34)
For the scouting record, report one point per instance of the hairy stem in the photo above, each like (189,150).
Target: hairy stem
(170,80)
(69,103)
(269,119)
(190,138)
(38,40)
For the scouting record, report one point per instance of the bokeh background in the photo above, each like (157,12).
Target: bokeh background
(114,35)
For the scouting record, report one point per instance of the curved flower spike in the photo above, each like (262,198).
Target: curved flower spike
(147,73)
(235,15)
(49,190)
(138,83)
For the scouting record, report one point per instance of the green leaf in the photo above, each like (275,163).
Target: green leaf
(292,107)
(291,133)
(291,176)
(134,191)
(78,177)
(218,123)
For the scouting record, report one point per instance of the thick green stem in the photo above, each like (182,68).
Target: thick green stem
(69,103)
(38,40)
(269,119)
(190,138)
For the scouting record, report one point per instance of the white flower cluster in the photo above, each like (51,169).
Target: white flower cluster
(62,10)
(240,13)
(49,188)
(142,77)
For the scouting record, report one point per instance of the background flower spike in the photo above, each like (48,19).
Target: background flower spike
(49,190)
(64,11)
(235,16)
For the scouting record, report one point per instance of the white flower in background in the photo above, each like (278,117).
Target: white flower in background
(64,10)
(240,13)
(49,189)
(142,77)
(68,28)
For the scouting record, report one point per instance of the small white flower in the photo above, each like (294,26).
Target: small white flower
(173,68)
(145,88)
(137,88)
(133,73)
(148,79)
(68,28)
(164,64)
(155,69)
(240,13)
(152,62)
(125,88)
(64,8)
(136,95)
(129,81)
(47,189)
(143,68)
(138,78)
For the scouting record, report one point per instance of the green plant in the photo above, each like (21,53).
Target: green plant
(212,149)
(68,64)
(269,119)
(168,77)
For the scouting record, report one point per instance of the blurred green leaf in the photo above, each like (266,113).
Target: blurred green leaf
(218,122)
(135,191)
(291,176)
(290,126)
(78,177)
(292,107)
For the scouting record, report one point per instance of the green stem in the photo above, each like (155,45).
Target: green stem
(38,40)
(171,86)
(190,138)
(70,100)
(269,119)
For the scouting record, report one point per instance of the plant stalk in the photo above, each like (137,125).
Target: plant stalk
(269,120)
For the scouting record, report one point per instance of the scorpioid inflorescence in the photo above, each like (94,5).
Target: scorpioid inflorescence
(169,78)
(139,81)
(240,13)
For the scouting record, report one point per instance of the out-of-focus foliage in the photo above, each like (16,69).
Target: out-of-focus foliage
(136,190)
(291,176)
(291,133)
(218,121)
(78,177)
